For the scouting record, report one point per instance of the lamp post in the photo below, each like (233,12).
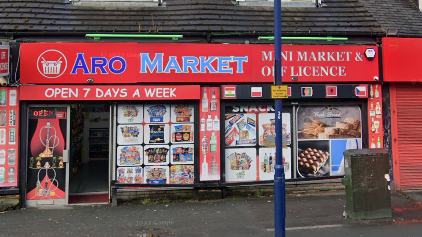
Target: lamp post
(279,176)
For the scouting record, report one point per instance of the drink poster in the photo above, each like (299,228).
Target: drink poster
(324,133)
(47,170)
(209,134)
(9,131)
(267,160)
(376,130)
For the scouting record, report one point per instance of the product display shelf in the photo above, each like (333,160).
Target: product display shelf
(77,139)
(98,143)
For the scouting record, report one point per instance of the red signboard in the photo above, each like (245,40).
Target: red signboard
(91,92)
(402,59)
(4,60)
(79,63)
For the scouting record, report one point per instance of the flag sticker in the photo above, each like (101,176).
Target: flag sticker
(307,91)
(361,91)
(229,92)
(330,91)
(289,91)
(256,91)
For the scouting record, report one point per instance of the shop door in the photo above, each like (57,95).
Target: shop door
(406,110)
(47,153)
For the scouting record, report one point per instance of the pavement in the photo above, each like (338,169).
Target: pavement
(306,215)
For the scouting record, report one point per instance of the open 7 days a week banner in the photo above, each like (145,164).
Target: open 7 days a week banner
(106,63)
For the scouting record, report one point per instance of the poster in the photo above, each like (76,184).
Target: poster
(376,130)
(129,175)
(156,155)
(182,113)
(182,133)
(129,134)
(209,134)
(129,114)
(240,129)
(129,155)
(157,113)
(241,164)
(267,161)
(156,134)
(324,133)
(182,174)
(267,129)
(9,131)
(156,174)
(182,154)
(46,171)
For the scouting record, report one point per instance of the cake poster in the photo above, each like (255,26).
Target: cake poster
(156,174)
(129,155)
(129,114)
(182,174)
(182,113)
(157,113)
(129,175)
(313,158)
(129,134)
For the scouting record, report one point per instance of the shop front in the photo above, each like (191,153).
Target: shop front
(187,115)
(401,57)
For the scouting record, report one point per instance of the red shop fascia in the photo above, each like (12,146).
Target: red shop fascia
(126,71)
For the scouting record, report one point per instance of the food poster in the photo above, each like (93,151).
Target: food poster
(129,134)
(182,114)
(209,154)
(156,174)
(267,161)
(182,174)
(267,129)
(320,129)
(129,114)
(182,133)
(129,175)
(156,155)
(241,165)
(129,155)
(376,130)
(156,134)
(157,113)
(182,154)
(46,134)
(9,130)
(337,157)
(240,129)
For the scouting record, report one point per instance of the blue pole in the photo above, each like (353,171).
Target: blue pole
(279,176)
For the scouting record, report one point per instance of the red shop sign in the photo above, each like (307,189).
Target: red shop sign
(4,60)
(75,63)
(67,93)
(402,59)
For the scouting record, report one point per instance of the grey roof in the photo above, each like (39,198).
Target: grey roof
(60,17)
(401,15)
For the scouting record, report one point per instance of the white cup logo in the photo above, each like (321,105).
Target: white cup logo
(52,63)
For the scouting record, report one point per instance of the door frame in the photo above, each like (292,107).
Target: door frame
(66,151)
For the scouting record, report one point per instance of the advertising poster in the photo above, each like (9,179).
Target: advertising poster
(267,129)
(156,134)
(9,132)
(209,134)
(156,174)
(129,134)
(129,175)
(182,113)
(376,130)
(182,133)
(129,155)
(182,174)
(129,114)
(182,154)
(324,133)
(157,113)
(241,164)
(267,159)
(156,155)
(46,171)
(240,129)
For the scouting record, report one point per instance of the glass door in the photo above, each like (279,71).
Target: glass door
(48,153)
